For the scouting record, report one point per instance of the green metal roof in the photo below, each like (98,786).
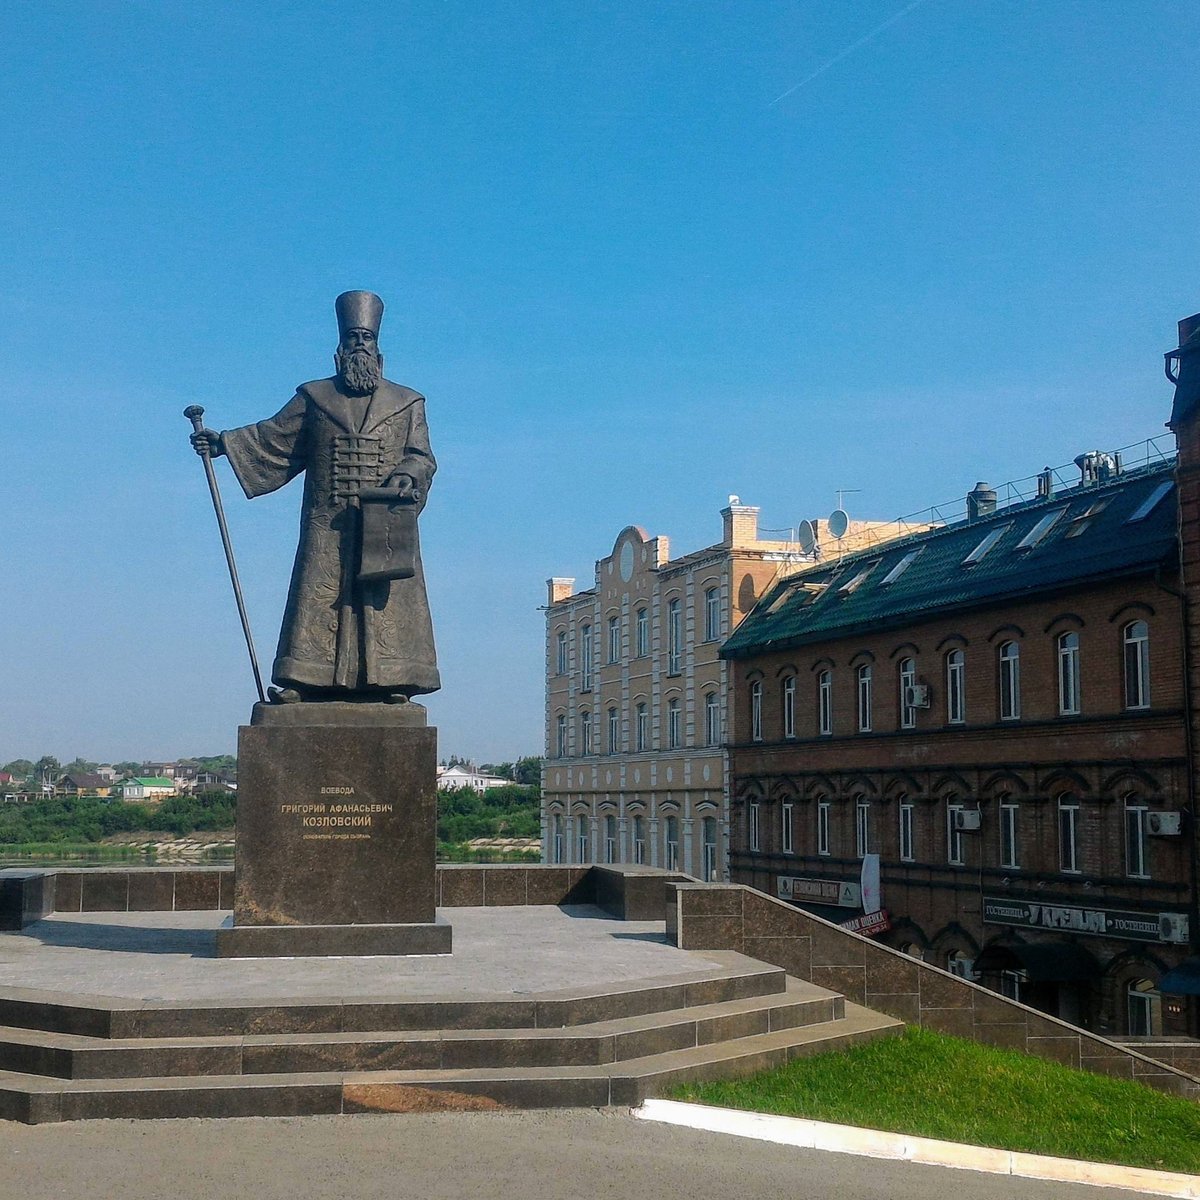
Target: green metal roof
(863,592)
(152,781)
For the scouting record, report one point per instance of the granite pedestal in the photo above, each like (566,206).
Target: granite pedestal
(336,833)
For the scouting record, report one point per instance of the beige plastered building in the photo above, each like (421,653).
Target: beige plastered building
(637,699)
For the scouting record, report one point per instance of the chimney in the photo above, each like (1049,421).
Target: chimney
(559,589)
(740,525)
(981,501)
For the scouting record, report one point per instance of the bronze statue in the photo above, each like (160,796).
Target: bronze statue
(357,623)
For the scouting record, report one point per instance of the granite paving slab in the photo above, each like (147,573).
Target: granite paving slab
(498,952)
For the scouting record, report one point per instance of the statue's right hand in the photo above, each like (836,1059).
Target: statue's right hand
(208,442)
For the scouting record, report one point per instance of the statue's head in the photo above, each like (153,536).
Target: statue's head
(357,359)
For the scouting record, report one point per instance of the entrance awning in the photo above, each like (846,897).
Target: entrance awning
(1183,980)
(1062,963)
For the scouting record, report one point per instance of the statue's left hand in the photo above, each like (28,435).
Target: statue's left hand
(405,484)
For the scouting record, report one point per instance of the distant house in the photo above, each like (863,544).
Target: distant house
(84,783)
(146,787)
(455,777)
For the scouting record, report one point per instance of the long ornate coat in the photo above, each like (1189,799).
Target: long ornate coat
(338,632)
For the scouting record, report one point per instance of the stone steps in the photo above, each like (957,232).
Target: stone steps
(35,1099)
(75,1056)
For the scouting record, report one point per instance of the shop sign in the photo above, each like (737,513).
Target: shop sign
(869,924)
(1093,922)
(820,891)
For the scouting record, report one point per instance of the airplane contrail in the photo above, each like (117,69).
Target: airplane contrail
(837,58)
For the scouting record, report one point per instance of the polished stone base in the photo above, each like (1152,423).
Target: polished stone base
(321,941)
(340,713)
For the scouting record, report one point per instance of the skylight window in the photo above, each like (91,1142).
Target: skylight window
(856,581)
(901,566)
(1084,518)
(1040,529)
(1151,502)
(989,540)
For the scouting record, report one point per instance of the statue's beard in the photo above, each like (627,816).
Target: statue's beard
(359,371)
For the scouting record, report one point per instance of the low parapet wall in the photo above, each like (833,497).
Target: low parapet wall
(27,895)
(735,917)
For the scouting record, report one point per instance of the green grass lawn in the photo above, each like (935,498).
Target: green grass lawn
(943,1087)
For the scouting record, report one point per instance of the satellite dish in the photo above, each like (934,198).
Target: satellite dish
(838,523)
(806,535)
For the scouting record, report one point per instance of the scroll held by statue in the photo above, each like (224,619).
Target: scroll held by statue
(389,534)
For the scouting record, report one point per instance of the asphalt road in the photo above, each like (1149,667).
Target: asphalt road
(500,1156)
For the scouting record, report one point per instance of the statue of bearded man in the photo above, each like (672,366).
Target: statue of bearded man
(357,623)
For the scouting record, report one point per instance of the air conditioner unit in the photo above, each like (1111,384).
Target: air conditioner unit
(1164,824)
(967,820)
(916,695)
(1172,927)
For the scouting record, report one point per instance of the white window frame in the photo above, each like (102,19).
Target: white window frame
(585,731)
(823,817)
(641,726)
(1135,646)
(907,820)
(614,730)
(712,719)
(642,626)
(1068,835)
(585,658)
(786,844)
(581,838)
(825,702)
(1009,658)
(958,963)
(614,640)
(639,839)
(908,679)
(788,705)
(712,614)
(954,838)
(956,687)
(557,827)
(709,846)
(1146,1004)
(674,637)
(610,839)
(1068,674)
(671,843)
(563,659)
(674,724)
(864,682)
(1137,858)
(756,721)
(755,826)
(561,730)
(1010,834)
(862,827)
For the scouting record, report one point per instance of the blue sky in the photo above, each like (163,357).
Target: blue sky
(629,277)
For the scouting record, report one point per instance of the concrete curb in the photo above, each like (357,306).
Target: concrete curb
(874,1143)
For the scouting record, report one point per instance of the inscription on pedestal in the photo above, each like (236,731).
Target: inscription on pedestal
(335,826)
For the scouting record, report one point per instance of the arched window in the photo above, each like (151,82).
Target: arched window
(906,840)
(641,726)
(585,658)
(557,828)
(712,614)
(1068,674)
(674,724)
(639,839)
(1136,638)
(1143,1006)
(642,627)
(960,963)
(712,719)
(862,826)
(1010,681)
(614,639)
(756,695)
(907,675)
(864,698)
(825,702)
(562,652)
(956,687)
(672,843)
(823,817)
(954,837)
(674,638)
(1068,833)
(1137,861)
(753,815)
(913,950)
(1010,844)
(561,735)
(581,838)
(708,830)
(787,705)
(585,731)
(610,839)
(614,731)
(786,843)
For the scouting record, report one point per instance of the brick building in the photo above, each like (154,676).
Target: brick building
(636,696)
(996,709)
